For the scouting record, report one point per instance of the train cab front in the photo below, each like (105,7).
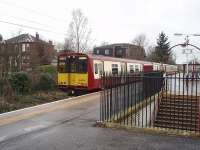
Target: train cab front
(73,72)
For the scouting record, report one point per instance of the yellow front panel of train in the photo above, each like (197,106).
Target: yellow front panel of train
(78,79)
(63,79)
(73,79)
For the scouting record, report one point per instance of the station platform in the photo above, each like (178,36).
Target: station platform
(69,124)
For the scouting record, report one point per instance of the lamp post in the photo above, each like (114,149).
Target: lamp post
(187,52)
(185,44)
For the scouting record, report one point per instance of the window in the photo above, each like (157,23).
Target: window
(77,64)
(23,47)
(97,52)
(61,68)
(119,52)
(15,63)
(27,47)
(16,47)
(114,68)
(131,69)
(137,68)
(61,64)
(96,68)
(100,66)
(107,52)
(72,64)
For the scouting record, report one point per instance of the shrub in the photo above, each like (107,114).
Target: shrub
(20,82)
(52,70)
(1,86)
(4,107)
(46,82)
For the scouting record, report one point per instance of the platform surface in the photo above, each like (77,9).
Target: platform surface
(69,125)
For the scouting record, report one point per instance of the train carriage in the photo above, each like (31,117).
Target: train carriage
(78,71)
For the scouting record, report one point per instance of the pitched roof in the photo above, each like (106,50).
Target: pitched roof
(22,39)
(117,44)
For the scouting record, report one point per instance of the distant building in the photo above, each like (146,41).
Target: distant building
(23,52)
(121,50)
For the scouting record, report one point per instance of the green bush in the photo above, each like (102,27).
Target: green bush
(1,86)
(46,82)
(52,70)
(20,82)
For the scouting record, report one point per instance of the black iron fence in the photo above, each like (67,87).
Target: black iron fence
(151,100)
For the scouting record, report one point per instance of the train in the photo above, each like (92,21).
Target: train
(82,72)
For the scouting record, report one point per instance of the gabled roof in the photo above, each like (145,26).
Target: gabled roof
(23,38)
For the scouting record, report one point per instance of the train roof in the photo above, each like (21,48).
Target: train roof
(107,58)
(101,57)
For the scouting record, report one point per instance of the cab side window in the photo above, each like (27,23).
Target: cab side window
(96,68)
(100,67)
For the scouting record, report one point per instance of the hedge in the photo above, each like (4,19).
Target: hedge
(20,82)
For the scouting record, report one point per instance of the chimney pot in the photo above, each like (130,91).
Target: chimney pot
(37,36)
(50,42)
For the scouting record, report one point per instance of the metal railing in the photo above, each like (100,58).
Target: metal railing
(151,100)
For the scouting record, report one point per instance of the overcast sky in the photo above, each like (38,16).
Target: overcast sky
(111,20)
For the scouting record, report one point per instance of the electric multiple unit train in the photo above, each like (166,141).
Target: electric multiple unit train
(79,71)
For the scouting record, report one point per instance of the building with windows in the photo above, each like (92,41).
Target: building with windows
(25,51)
(121,50)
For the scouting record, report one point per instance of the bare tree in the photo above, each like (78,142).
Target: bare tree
(140,40)
(59,46)
(79,32)
(69,45)
(151,52)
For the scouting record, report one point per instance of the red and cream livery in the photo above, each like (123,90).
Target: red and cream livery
(78,71)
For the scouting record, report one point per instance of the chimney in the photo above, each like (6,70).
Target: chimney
(37,36)
(50,42)
(1,38)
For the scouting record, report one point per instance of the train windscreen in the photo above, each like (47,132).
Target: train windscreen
(72,64)
(62,65)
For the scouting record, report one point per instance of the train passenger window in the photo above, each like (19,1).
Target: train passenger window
(114,68)
(131,69)
(96,68)
(137,68)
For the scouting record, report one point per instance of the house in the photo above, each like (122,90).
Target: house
(121,50)
(24,52)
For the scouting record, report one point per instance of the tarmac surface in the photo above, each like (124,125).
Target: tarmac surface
(72,128)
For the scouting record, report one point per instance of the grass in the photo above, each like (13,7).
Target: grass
(24,101)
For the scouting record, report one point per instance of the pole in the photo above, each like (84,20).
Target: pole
(187,64)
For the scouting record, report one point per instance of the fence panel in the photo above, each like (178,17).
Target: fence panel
(151,100)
